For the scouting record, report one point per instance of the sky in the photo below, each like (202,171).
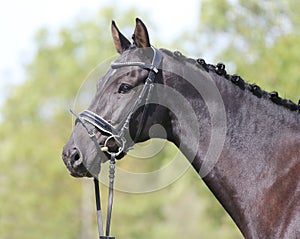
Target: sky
(20,20)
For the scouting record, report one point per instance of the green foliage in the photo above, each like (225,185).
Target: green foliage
(261,39)
(277,68)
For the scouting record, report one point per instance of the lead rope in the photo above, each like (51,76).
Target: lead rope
(111,192)
(98,207)
(110,201)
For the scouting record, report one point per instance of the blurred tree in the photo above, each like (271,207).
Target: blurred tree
(260,39)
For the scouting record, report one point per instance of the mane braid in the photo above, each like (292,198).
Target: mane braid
(237,80)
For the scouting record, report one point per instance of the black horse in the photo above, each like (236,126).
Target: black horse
(244,142)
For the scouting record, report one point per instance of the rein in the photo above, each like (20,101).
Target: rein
(109,203)
(88,118)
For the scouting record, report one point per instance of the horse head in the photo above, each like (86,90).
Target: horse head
(119,114)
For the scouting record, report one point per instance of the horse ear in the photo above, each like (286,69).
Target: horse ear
(121,42)
(140,36)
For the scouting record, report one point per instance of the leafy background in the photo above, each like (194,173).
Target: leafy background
(258,40)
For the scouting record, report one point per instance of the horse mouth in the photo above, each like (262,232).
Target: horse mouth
(80,171)
(87,162)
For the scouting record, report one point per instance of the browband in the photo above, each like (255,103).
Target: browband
(152,67)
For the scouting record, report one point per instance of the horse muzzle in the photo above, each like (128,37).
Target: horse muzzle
(73,160)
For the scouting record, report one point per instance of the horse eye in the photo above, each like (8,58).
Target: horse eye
(124,88)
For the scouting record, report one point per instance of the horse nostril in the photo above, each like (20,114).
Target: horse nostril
(76,158)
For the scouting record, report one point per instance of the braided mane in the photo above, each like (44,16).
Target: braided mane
(237,80)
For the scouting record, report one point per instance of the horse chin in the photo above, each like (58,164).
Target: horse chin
(92,169)
(83,172)
(83,169)
(78,170)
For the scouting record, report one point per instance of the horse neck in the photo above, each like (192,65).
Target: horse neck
(260,150)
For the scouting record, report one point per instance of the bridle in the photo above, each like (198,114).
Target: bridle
(87,118)
(102,125)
